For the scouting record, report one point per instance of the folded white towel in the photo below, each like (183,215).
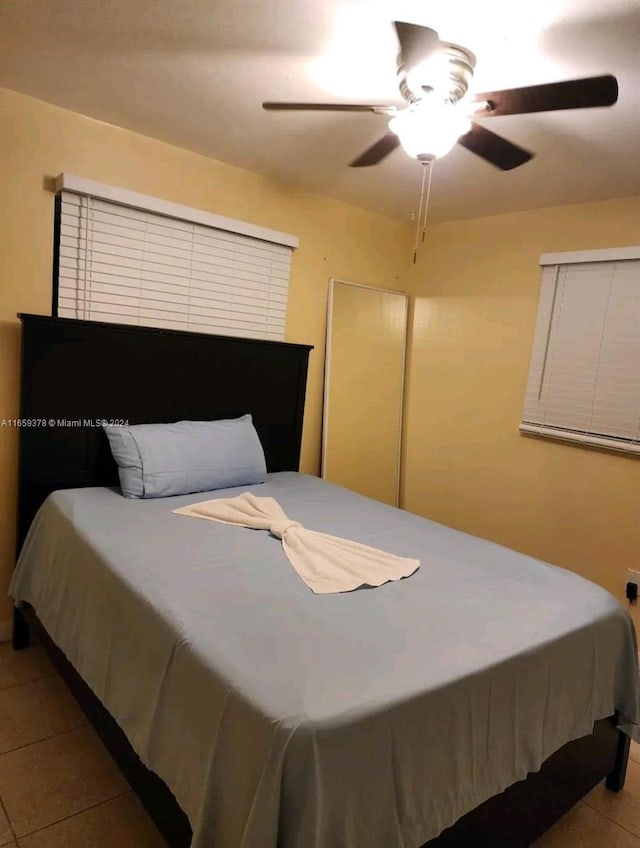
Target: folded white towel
(325,563)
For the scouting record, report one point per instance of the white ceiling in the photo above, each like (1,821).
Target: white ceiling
(195,73)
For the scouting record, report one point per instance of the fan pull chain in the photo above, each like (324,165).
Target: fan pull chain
(423,207)
(428,200)
(419,218)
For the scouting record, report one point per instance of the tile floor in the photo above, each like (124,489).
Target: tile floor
(59,787)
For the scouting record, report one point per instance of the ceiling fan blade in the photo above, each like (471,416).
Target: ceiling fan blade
(377,152)
(417,43)
(571,94)
(330,107)
(494,148)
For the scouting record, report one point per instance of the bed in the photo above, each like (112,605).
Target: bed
(260,715)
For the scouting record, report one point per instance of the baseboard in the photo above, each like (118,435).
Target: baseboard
(6,630)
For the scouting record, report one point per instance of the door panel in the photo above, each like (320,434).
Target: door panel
(363,389)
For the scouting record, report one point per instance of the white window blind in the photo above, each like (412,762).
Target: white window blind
(584,378)
(130,265)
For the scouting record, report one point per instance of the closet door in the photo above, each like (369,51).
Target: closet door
(364,380)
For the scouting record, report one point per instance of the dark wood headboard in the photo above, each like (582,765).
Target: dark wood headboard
(75,373)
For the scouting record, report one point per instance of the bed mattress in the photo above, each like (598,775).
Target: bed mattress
(284,719)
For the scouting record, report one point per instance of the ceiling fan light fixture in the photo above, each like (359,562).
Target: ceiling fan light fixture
(434,78)
(429,130)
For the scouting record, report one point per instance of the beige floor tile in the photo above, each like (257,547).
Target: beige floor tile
(635,751)
(6,837)
(58,777)
(35,711)
(624,806)
(584,827)
(121,822)
(22,666)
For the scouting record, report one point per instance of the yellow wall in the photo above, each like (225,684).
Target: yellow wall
(38,141)
(465,464)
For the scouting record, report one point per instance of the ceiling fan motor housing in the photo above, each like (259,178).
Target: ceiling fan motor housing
(448,76)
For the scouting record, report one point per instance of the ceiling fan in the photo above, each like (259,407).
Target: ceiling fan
(434,78)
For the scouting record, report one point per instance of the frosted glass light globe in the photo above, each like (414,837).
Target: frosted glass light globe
(429,129)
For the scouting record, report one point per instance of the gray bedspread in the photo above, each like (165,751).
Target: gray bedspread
(284,719)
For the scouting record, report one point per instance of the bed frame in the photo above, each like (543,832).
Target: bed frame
(75,373)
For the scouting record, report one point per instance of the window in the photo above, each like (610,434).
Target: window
(132,259)
(584,378)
